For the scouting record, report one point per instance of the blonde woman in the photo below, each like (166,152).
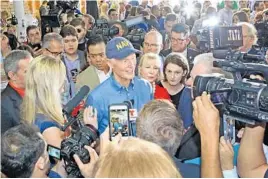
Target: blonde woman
(42,101)
(104,10)
(135,158)
(149,69)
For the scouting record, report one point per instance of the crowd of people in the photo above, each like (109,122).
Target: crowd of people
(174,135)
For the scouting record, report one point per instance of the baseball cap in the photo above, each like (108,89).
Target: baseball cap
(119,48)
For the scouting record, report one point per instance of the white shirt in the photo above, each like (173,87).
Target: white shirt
(102,76)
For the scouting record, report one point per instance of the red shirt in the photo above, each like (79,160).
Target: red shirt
(18,90)
(161,93)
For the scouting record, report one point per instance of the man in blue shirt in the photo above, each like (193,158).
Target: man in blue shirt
(122,85)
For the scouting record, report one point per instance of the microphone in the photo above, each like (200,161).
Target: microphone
(129,103)
(76,100)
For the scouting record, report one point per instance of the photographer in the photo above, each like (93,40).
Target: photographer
(251,159)
(249,37)
(34,39)
(160,123)
(207,121)
(80,28)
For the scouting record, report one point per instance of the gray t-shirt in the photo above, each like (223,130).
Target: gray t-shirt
(226,16)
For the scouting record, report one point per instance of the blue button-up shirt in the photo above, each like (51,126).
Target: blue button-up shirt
(111,92)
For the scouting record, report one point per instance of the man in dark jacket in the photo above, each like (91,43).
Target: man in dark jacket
(15,65)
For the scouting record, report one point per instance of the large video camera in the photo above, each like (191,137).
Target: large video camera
(103,28)
(81,135)
(108,31)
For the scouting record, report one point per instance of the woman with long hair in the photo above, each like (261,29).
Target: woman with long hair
(176,69)
(42,105)
(150,69)
(135,158)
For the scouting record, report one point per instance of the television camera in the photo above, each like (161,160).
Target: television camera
(81,135)
(52,20)
(244,100)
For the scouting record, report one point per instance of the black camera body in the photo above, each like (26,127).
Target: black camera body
(75,145)
(103,28)
(244,100)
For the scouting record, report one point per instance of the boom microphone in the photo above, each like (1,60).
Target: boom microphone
(76,100)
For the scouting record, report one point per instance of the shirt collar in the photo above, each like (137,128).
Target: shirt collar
(18,90)
(118,86)
(100,71)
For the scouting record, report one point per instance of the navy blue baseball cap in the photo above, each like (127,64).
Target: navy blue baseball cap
(119,48)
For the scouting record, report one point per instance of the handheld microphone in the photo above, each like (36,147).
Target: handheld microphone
(129,103)
(67,110)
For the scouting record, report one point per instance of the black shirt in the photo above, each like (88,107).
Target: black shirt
(175,98)
(82,46)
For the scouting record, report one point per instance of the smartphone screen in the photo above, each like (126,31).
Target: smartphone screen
(54,152)
(119,120)
(229,130)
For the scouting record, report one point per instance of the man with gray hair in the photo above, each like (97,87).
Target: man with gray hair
(53,45)
(160,123)
(15,65)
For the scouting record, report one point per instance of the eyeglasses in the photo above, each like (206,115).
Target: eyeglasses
(55,54)
(150,45)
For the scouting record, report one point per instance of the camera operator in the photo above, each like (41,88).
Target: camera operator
(80,28)
(203,64)
(179,40)
(249,38)
(15,66)
(53,45)
(122,85)
(89,21)
(24,153)
(122,28)
(207,121)
(160,123)
(251,159)
(170,20)
(99,70)
(34,39)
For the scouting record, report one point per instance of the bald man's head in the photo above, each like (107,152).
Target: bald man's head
(153,42)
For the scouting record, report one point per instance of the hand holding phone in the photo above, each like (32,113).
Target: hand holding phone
(119,120)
